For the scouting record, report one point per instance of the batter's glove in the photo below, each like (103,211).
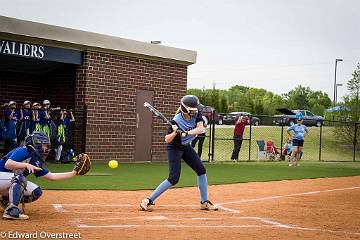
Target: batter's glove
(182,132)
(82,164)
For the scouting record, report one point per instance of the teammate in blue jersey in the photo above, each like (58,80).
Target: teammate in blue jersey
(12,116)
(24,124)
(299,132)
(35,124)
(187,123)
(16,166)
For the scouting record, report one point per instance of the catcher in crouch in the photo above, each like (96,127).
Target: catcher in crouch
(22,161)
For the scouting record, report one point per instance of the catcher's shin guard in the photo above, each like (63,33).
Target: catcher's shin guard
(16,192)
(17,188)
(146,204)
(207,205)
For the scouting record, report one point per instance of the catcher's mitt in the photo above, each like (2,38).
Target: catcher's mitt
(82,164)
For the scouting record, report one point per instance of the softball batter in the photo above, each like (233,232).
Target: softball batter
(189,120)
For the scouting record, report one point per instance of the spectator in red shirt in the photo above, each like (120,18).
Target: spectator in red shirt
(240,124)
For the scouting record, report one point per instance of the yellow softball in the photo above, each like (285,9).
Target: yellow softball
(113,164)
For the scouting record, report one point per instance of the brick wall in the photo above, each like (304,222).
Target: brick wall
(107,83)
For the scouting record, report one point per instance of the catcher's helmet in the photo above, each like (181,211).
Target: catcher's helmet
(190,104)
(40,143)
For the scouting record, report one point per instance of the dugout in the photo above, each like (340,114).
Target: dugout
(105,77)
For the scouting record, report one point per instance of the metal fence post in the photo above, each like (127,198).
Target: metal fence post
(355,140)
(282,138)
(210,136)
(250,139)
(213,138)
(320,143)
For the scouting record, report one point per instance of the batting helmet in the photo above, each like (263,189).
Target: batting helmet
(40,143)
(190,104)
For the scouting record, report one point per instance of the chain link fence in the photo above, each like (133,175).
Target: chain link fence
(331,141)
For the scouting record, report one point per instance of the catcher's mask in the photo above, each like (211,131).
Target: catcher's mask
(40,143)
(190,104)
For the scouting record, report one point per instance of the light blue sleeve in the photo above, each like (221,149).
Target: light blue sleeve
(306,128)
(291,128)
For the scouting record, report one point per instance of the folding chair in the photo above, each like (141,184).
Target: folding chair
(261,153)
(272,151)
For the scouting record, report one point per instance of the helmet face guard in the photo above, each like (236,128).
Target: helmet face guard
(189,110)
(39,143)
(190,105)
(44,151)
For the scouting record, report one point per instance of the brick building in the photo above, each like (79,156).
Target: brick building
(111,77)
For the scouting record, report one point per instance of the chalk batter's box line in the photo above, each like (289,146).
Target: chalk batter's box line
(269,224)
(61,207)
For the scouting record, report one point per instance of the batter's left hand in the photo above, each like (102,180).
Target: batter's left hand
(175,127)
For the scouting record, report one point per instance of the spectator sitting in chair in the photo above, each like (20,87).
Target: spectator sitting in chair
(287,150)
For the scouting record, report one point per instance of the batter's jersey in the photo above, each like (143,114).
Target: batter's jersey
(22,154)
(186,125)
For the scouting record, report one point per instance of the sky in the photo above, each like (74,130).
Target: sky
(270,44)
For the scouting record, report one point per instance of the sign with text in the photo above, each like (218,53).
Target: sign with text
(40,52)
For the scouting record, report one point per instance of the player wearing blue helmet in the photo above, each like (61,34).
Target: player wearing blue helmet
(16,166)
(179,147)
(299,132)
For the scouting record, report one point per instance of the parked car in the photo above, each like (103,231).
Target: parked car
(212,115)
(230,118)
(288,117)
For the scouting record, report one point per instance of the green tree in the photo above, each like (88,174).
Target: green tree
(304,98)
(352,101)
(298,98)
(351,112)
(260,101)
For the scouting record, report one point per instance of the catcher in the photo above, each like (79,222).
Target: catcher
(22,161)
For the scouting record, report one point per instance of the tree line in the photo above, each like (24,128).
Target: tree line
(259,101)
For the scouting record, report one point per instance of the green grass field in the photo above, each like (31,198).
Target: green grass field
(148,175)
(333,149)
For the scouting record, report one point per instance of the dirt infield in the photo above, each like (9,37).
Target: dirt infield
(298,209)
